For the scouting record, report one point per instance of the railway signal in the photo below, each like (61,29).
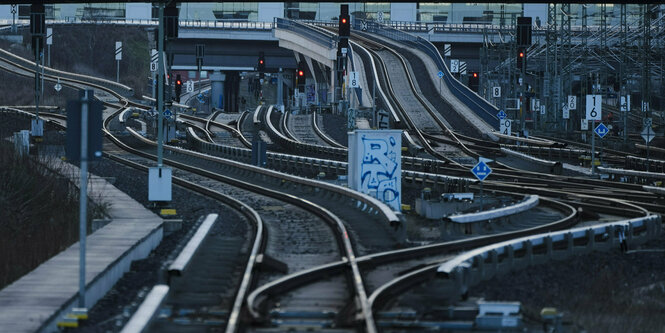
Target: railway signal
(171,20)
(521,58)
(344,30)
(344,22)
(524,31)
(474,80)
(178,88)
(261,66)
(300,76)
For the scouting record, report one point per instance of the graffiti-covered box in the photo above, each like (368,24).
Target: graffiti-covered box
(375,164)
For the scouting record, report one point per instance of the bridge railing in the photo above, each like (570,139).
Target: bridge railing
(306,31)
(215,24)
(477,104)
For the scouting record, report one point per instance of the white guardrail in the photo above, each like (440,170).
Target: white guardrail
(186,255)
(529,202)
(146,312)
(471,267)
(631,173)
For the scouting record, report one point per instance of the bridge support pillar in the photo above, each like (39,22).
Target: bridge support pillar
(217,79)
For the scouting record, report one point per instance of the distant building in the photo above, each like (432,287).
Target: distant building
(426,12)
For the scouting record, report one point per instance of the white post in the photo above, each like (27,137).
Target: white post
(160,86)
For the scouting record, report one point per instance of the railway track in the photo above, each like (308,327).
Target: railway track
(338,227)
(356,278)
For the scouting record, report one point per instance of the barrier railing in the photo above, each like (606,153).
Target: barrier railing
(477,104)
(218,24)
(305,31)
(473,266)
(529,202)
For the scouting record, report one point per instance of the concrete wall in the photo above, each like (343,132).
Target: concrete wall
(269,10)
(403,11)
(5,12)
(138,11)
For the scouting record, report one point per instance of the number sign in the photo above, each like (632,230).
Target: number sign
(505,126)
(354,80)
(625,103)
(496,92)
(454,66)
(593,107)
(572,102)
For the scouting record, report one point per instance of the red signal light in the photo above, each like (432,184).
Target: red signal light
(261,62)
(344,21)
(475,74)
(178,82)
(301,73)
(521,54)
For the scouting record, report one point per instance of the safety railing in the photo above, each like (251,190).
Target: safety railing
(217,24)
(477,104)
(469,268)
(305,31)
(529,202)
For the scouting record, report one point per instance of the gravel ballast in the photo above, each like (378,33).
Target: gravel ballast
(600,292)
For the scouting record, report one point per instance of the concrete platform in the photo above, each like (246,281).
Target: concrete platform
(35,302)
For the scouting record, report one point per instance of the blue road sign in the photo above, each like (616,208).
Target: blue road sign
(200,98)
(501,114)
(167,114)
(440,74)
(481,170)
(601,130)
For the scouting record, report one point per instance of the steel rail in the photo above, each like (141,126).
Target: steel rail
(339,153)
(323,135)
(210,122)
(301,278)
(337,225)
(243,138)
(259,243)
(410,124)
(284,128)
(54,72)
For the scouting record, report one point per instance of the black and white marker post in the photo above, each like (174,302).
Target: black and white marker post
(118,57)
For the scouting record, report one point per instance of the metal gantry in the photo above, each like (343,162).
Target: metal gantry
(607,50)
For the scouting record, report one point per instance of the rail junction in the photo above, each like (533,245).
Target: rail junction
(286,239)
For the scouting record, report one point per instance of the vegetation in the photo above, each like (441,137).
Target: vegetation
(90,49)
(39,213)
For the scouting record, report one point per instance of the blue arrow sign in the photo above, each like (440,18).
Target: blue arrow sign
(601,130)
(200,98)
(501,114)
(440,74)
(167,114)
(481,170)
